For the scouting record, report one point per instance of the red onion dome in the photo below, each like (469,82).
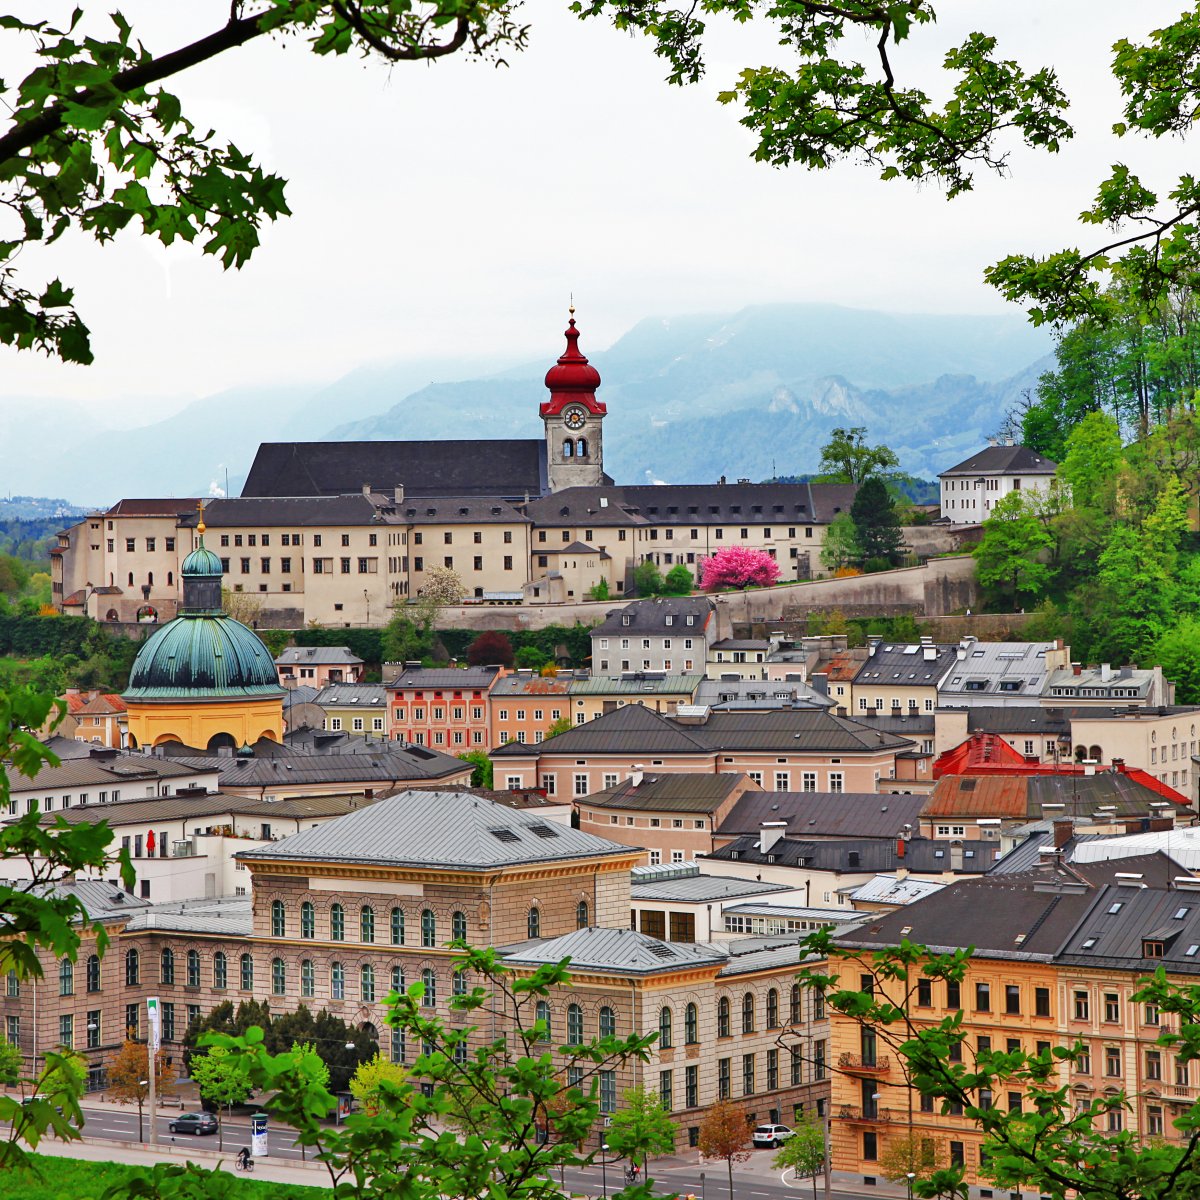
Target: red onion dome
(573,372)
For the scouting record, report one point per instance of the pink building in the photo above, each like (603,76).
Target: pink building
(448,708)
(318,666)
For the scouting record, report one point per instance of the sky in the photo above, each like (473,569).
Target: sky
(454,208)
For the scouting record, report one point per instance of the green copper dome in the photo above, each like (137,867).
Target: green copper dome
(203,654)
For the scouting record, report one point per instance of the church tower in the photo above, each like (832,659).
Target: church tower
(574,419)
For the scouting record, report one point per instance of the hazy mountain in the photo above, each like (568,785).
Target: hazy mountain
(689,398)
(747,395)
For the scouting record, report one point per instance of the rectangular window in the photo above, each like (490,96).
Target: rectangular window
(1112,1008)
(1012,999)
(747,1074)
(691,1086)
(836,781)
(723,1077)
(608,1091)
(93,1029)
(665,1090)
(1041,1002)
(1081,1006)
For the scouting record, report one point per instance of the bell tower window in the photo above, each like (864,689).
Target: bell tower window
(568,448)
(581,449)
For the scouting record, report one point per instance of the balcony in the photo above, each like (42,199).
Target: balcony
(857,1064)
(872,1115)
(1177,1093)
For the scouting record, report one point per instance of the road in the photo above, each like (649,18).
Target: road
(756,1181)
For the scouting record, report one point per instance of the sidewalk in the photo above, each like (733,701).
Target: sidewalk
(137,1154)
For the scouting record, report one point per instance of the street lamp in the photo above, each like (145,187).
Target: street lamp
(701,1185)
(910,1177)
(604,1168)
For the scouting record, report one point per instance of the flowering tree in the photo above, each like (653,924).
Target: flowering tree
(738,567)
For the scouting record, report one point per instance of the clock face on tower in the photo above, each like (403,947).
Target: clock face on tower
(575,417)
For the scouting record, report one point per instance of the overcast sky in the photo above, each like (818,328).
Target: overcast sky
(456,206)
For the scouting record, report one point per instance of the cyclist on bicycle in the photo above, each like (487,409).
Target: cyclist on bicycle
(243,1158)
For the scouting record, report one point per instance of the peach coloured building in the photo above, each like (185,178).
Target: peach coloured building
(447,708)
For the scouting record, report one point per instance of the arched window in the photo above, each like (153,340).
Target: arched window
(533,922)
(608,1022)
(337,923)
(1096,753)
(366,924)
(428,927)
(93,973)
(170,578)
(581,448)
(748,1013)
(131,579)
(795,1013)
(278,977)
(664,1028)
(568,451)
(397,927)
(542,1012)
(220,971)
(691,1025)
(399,986)
(308,920)
(723,1017)
(574,1025)
(429,982)
(337,981)
(66,978)
(581,915)
(150,578)
(308,979)
(772,1009)
(193,968)
(458,926)
(166,972)
(247,973)
(278,921)
(366,977)
(133,972)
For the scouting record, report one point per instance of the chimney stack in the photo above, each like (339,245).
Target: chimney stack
(1064,830)
(769,834)
(398,493)
(637,776)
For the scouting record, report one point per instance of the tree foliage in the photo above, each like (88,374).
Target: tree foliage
(482,771)
(804,1152)
(679,581)
(738,567)
(221,1080)
(647,578)
(724,1135)
(846,457)
(876,523)
(489,648)
(129,1076)
(1010,552)
(372,1079)
(641,1127)
(840,548)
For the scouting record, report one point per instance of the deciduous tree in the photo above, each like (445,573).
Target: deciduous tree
(679,581)
(647,579)
(221,1078)
(840,548)
(1011,550)
(129,1076)
(369,1081)
(641,1127)
(738,567)
(804,1151)
(481,767)
(846,457)
(915,1154)
(725,1135)
(489,648)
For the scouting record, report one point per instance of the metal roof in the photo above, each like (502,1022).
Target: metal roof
(619,951)
(636,683)
(211,804)
(701,888)
(929,855)
(1019,797)
(664,616)
(1004,460)
(362,695)
(224,916)
(445,678)
(308,656)
(439,830)
(887,889)
(905,664)
(105,768)
(992,668)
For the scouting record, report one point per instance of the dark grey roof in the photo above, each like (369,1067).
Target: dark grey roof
(732,643)
(697,504)
(921,855)
(439,830)
(451,678)
(210,804)
(1172,917)
(1004,460)
(636,683)
(825,814)
(1028,719)
(290,509)
(907,723)
(365,695)
(620,951)
(460,510)
(638,730)
(904,664)
(302,693)
(102,769)
(1018,916)
(310,656)
(701,888)
(652,616)
(513,468)
(692,792)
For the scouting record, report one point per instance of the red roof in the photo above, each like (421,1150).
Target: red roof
(979,751)
(573,379)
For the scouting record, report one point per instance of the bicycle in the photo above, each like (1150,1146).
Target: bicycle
(243,1162)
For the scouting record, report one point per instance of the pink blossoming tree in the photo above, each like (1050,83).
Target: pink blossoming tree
(738,567)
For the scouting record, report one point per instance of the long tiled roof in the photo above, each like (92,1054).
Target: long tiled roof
(636,683)
(514,467)
(920,854)
(439,830)
(1017,797)
(619,951)
(224,916)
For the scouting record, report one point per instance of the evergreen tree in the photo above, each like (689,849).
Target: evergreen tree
(876,523)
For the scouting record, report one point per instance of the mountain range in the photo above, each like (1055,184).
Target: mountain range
(691,398)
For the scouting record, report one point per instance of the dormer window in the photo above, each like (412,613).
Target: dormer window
(626,619)
(1152,949)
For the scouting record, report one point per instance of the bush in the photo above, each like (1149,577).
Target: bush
(488,648)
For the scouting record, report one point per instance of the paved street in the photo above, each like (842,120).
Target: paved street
(753,1180)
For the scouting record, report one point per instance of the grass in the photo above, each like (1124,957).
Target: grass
(75,1179)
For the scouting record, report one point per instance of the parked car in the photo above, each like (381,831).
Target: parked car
(194,1122)
(770,1136)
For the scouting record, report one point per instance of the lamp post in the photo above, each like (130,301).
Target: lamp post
(604,1168)
(910,1176)
(701,1185)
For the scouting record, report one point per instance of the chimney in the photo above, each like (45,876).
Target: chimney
(398,493)
(929,653)
(840,710)
(1076,669)
(1064,830)
(901,846)
(769,834)
(1106,672)
(873,643)
(993,441)
(637,775)
(366,489)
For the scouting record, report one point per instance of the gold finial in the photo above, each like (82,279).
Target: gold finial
(200,527)
(571,309)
